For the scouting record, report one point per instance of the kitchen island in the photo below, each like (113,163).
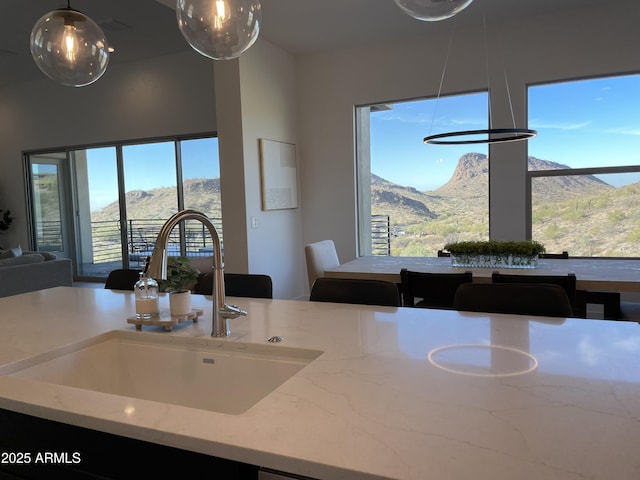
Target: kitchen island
(396,392)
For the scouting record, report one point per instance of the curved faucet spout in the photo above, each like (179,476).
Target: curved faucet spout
(157,269)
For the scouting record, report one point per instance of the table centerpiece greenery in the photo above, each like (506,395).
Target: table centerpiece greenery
(495,253)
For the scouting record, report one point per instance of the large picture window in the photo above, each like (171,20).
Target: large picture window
(414,198)
(584,166)
(103,206)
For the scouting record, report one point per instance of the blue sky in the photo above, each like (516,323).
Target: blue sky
(149,166)
(589,123)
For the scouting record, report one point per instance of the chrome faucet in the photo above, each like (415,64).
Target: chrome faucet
(157,268)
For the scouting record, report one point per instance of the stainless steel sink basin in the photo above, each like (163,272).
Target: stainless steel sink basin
(203,373)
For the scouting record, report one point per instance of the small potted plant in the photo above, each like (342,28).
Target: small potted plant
(181,278)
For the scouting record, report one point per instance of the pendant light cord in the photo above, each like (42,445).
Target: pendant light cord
(444,71)
(506,80)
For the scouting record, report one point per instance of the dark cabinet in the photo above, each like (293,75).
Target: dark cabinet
(33,448)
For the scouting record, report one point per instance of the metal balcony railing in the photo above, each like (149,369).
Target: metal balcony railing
(142,233)
(141,237)
(380,235)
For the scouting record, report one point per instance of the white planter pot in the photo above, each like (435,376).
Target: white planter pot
(180,303)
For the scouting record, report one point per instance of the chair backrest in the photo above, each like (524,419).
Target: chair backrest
(359,291)
(248,285)
(251,285)
(122,279)
(568,282)
(320,256)
(431,290)
(539,299)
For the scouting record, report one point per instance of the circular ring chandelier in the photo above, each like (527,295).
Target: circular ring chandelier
(493,135)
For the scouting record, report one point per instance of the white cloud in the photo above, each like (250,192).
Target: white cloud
(630,344)
(539,124)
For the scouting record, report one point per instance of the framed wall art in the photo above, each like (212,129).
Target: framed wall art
(279,175)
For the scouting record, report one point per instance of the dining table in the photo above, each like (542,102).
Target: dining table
(601,274)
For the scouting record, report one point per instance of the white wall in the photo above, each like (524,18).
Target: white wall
(537,49)
(264,107)
(309,101)
(167,95)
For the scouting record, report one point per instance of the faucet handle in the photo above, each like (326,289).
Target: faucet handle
(231,311)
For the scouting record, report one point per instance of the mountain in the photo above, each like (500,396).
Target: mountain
(160,203)
(470,179)
(388,198)
(582,213)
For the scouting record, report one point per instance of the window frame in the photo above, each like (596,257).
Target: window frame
(581,171)
(67,152)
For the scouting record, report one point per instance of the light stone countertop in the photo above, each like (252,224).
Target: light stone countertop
(376,403)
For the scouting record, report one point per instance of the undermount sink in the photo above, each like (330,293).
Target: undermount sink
(203,373)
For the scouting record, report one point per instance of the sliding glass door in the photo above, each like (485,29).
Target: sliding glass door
(103,207)
(98,225)
(49,204)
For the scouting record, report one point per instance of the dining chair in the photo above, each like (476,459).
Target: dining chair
(320,256)
(608,301)
(568,282)
(431,290)
(539,299)
(251,285)
(358,291)
(122,279)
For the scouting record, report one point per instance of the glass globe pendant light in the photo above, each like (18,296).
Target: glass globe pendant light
(219,29)
(69,47)
(432,10)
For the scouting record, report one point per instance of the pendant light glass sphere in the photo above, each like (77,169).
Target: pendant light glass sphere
(432,10)
(219,29)
(69,47)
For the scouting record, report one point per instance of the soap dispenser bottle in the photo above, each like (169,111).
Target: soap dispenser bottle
(147,304)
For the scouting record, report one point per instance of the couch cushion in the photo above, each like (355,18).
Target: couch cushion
(22,260)
(12,252)
(47,256)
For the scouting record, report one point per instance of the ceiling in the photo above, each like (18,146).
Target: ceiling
(297,26)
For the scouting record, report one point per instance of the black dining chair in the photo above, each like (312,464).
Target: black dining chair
(122,279)
(537,299)
(431,290)
(567,282)
(358,291)
(251,285)
(609,302)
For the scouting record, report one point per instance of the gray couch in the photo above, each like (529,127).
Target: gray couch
(33,271)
